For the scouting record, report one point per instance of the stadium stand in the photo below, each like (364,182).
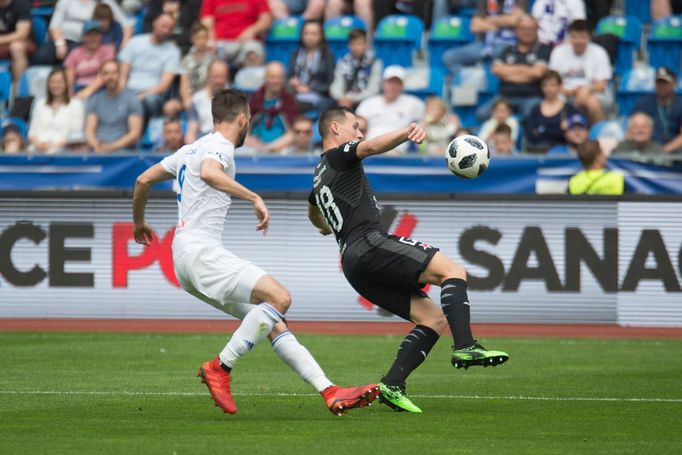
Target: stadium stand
(283,39)
(629,32)
(665,42)
(397,38)
(336,32)
(446,33)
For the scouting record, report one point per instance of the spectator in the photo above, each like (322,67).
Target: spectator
(172,136)
(15,34)
(393,109)
(494,20)
(273,111)
(546,122)
(149,64)
(66,28)
(113,115)
(585,69)
(638,137)
(311,69)
(200,118)
(357,74)
(575,134)
(82,64)
(197,60)
(594,178)
(58,119)
(665,107)
(665,8)
(185,13)
(501,114)
(360,8)
(463,132)
(309,10)
(235,28)
(303,137)
(439,126)
(12,140)
(501,142)
(112,32)
(520,68)
(553,18)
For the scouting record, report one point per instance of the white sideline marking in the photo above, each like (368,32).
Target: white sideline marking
(457,397)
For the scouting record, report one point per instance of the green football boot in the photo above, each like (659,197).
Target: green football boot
(394,397)
(477,355)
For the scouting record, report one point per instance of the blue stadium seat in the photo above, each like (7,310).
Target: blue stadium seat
(44,11)
(629,33)
(5,86)
(609,129)
(283,38)
(487,87)
(20,123)
(39,30)
(397,37)
(336,32)
(446,33)
(665,43)
(633,84)
(640,9)
(33,81)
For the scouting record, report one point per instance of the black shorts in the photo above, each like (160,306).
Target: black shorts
(385,269)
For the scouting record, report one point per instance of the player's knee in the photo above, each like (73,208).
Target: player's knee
(437,323)
(281,300)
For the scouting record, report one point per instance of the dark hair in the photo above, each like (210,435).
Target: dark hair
(196,28)
(227,104)
(50,97)
(549,75)
(324,47)
(580,25)
(501,100)
(103,12)
(163,13)
(462,130)
(357,33)
(333,114)
(588,152)
(302,118)
(171,119)
(503,128)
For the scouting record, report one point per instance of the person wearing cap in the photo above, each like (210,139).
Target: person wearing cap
(82,64)
(638,137)
(595,179)
(575,134)
(393,109)
(15,34)
(665,108)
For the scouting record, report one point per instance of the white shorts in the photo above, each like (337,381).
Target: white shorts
(210,272)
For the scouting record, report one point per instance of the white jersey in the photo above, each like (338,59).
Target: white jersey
(201,209)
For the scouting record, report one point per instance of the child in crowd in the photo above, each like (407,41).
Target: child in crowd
(12,140)
(112,33)
(439,125)
(358,73)
(500,142)
(501,113)
(197,59)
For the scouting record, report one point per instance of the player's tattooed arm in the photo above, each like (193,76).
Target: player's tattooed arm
(155,174)
(315,216)
(389,141)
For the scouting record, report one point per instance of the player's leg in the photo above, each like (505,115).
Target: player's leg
(451,277)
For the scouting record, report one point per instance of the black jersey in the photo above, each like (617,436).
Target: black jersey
(344,196)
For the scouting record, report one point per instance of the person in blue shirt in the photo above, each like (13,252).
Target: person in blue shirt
(665,108)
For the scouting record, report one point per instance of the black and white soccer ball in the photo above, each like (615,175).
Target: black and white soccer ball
(467,156)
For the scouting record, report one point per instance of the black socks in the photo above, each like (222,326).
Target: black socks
(455,304)
(411,353)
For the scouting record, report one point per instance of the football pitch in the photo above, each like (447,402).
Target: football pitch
(138,393)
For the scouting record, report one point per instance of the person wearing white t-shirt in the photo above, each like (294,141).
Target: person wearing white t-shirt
(205,173)
(554,16)
(393,109)
(585,69)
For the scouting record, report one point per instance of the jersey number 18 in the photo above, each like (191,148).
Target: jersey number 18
(325,200)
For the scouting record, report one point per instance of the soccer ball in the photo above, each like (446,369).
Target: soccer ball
(467,156)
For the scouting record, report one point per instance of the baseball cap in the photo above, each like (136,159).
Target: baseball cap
(394,71)
(91,25)
(577,119)
(11,128)
(665,74)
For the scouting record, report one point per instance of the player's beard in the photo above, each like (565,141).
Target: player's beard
(242,136)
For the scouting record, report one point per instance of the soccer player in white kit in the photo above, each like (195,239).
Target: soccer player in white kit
(205,172)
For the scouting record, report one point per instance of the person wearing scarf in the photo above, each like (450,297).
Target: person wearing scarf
(358,73)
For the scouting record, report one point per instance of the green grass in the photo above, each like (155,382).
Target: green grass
(122,393)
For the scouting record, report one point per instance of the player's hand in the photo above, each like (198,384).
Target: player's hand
(416,133)
(263,215)
(143,233)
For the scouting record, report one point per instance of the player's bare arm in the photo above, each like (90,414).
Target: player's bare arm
(155,174)
(390,141)
(213,174)
(315,216)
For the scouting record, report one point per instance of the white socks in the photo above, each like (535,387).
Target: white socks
(255,326)
(294,354)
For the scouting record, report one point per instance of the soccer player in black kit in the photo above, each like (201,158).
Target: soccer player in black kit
(388,270)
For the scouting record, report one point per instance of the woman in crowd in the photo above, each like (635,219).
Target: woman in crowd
(57,119)
(82,64)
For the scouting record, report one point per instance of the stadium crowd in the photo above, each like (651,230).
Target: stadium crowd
(540,77)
